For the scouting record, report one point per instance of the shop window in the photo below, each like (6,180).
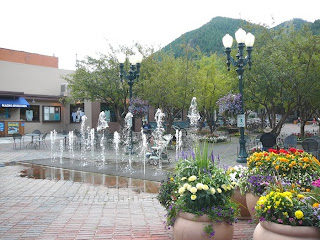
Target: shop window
(76,112)
(51,113)
(109,111)
(30,114)
(5,112)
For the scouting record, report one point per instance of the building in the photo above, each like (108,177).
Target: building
(30,92)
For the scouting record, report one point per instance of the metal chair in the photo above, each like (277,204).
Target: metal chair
(42,140)
(311,146)
(16,136)
(290,142)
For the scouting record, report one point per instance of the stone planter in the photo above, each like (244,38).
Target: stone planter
(275,231)
(189,227)
(241,200)
(251,203)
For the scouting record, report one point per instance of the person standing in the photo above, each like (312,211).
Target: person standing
(268,139)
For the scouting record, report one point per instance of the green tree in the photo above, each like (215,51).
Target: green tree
(167,82)
(212,83)
(282,76)
(98,80)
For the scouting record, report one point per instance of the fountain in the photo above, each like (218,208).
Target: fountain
(93,156)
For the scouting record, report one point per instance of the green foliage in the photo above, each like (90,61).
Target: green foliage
(208,37)
(199,188)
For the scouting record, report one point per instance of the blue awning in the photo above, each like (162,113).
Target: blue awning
(19,102)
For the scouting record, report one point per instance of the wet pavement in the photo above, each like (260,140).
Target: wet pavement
(39,202)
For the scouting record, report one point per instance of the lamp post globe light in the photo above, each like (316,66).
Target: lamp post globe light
(243,39)
(131,77)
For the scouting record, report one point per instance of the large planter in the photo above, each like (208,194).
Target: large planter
(251,203)
(189,227)
(241,200)
(275,231)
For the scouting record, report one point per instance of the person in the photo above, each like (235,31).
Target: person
(299,121)
(146,127)
(314,122)
(268,139)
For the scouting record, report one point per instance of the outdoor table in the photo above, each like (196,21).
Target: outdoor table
(32,143)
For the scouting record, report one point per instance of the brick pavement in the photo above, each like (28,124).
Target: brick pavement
(62,209)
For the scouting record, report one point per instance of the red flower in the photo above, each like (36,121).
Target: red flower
(293,150)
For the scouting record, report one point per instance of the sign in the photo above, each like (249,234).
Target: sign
(241,120)
(1,126)
(13,127)
(10,105)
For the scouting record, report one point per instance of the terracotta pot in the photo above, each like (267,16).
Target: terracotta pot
(251,203)
(241,200)
(275,231)
(189,227)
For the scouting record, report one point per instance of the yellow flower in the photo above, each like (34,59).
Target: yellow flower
(199,186)
(181,190)
(193,190)
(300,196)
(213,191)
(193,197)
(219,190)
(171,179)
(186,185)
(205,187)
(192,178)
(298,214)
(184,178)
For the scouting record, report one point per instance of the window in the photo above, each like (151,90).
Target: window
(76,112)
(110,113)
(51,113)
(30,114)
(5,112)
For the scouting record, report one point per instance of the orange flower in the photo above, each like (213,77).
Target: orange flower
(277,167)
(315,205)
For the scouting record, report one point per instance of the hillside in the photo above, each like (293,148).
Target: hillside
(209,37)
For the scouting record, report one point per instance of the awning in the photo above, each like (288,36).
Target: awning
(19,102)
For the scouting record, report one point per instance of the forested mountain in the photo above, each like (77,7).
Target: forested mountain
(209,37)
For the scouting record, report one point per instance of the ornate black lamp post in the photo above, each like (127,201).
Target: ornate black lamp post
(131,77)
(243,39)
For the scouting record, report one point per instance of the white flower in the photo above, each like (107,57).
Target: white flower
(219,190)
(193,190)
(205,187)
(181,190)
(192,178)
(199,186)
(184,178)
(186,185)
(213,191)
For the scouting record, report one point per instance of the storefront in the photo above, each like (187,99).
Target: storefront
(10,123)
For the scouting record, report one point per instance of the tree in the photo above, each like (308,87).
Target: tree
(166,82)
(98,80)
(282,76)
(211,83)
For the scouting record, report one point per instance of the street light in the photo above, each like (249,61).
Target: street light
(131,77)
(243,39)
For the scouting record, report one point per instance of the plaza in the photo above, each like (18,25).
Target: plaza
(51,204)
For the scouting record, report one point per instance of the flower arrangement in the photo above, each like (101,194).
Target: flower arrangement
(236,172)
(254,182)
(200,188)
(229,104)
(292,166)
(213,139)
(138,107)
(289,206)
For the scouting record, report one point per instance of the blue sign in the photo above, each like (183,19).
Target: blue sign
(1,126)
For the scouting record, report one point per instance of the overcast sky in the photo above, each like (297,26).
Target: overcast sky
(66,28)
